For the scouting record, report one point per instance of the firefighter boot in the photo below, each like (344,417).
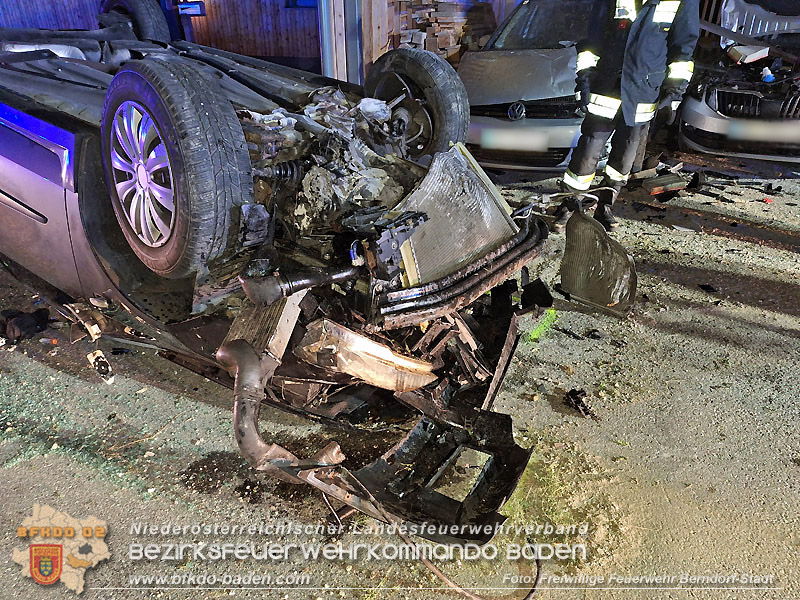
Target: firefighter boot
(605,200)
(562,214)
(568,206)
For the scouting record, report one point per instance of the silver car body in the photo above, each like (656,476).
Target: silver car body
(522,94)
(729,119)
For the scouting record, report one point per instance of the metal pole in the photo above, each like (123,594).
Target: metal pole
(327,47)
(354,41)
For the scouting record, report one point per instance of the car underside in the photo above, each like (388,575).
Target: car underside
(317,247)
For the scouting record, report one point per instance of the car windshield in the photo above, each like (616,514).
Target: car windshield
(543,24)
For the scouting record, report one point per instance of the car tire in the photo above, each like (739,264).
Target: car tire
(176,188)
(147,17)
(436,89)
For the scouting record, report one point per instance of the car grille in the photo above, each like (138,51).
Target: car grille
(745,105)
(738,105)
(549,158)
(563,107)
(790,109)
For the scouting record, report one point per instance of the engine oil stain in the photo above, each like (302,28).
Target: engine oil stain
(210,473)
(251,491)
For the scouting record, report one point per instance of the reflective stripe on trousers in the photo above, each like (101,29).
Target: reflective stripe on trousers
(595,132)
(665,11)
(603,106)
(615,175)
(578,182)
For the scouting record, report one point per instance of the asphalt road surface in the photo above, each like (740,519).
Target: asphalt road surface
(685,462)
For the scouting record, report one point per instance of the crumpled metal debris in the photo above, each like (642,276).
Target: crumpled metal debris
(333,346)
(101,366)
(374,109)
(330,106)
(272,138)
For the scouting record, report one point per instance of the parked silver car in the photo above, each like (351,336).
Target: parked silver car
(521,87)
(748,104)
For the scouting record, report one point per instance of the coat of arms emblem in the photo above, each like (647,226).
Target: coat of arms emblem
(46,562)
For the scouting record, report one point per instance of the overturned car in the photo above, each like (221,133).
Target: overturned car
(319,248)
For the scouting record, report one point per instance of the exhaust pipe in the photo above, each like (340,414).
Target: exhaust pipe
(251,373)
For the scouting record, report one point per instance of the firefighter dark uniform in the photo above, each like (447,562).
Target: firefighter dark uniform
(639,52)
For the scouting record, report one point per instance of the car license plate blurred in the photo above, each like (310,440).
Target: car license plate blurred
(785,132)
(523,139)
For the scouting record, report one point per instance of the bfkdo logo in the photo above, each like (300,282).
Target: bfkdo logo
(60,548)
(46,561)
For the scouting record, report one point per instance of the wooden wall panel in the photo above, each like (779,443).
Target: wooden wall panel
(259,27)
(383,21)
(710,11)
(340,41)
(49,14)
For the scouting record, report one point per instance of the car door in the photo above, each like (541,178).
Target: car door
(35,172)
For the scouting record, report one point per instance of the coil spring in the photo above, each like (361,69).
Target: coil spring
(291,171)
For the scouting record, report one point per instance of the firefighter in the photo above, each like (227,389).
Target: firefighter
(637,58)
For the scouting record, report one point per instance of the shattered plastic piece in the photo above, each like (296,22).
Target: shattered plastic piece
(545,323)
(596,269)
(101,365)
(333,346)
(767,200)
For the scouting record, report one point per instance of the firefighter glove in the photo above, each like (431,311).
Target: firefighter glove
(583,87)
(672,91)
